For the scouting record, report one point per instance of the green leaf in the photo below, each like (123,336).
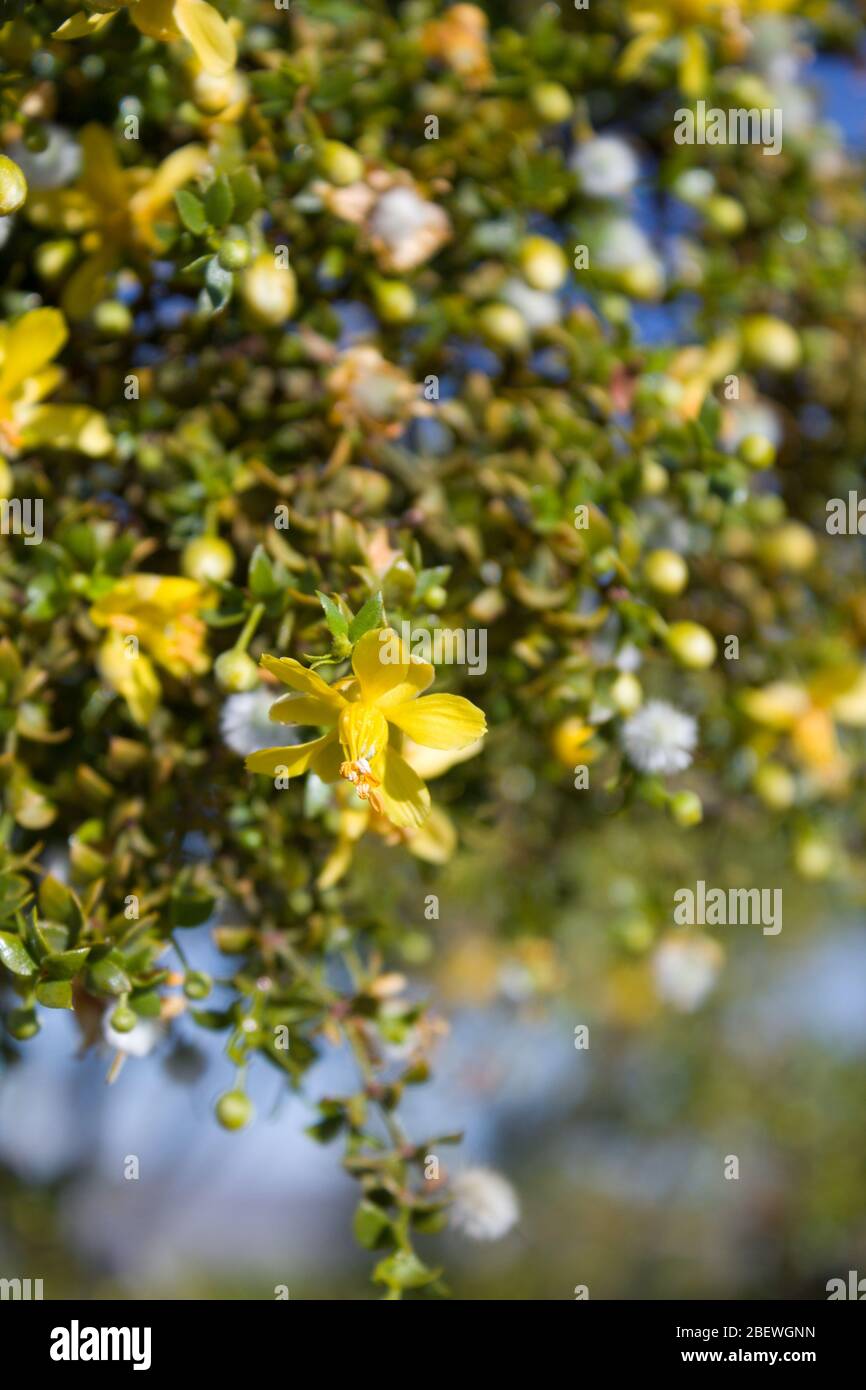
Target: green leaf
(55,900)
(191,906)
(334,616)
(403,1270)
(370,1225)
(247,190)
(67,964)
(191,212)
(14,955)
(218,284)
(55,994)
(14,892)
(106,977)
(219,202)
(372,615)
(262,579)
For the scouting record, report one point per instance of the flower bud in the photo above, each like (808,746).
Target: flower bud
(13,186)
(269,291)
(395,301)
(813,856)
(686,809)
(503,326)
(208,559)
(770,342)
(340,164)
(543,263)
(22,1024)
(775,785)
(234,1110)
(236,672)
(197,985)
(551,101)
(757,451)
(691,645)
(123,1019)
(112,319)
(234,252)
(791,547)
(626,693)
(725,214)
(666,572)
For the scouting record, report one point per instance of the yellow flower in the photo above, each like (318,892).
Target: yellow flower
(435,841)
(366,716)
(808,715)
(113,209)
(459,39)
(654,22)
(27,350)
(162,615)
(194,20)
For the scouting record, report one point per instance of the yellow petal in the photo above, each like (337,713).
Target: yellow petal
(103,176)
(777,705)
(155,18)
(81,25)
(87,286)
(380,663)
(403,796)
(29,345)
(292,673)
(207,31)
(292,760)
(419,674)
(175,171)
(433,762)
(693,64)
(439,721)
(75,427)
(302,709)
(131,674)
(436,840)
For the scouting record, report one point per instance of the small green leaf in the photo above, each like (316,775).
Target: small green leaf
(371,1223)
(219,202)
(191,212)
(372,615)
(191,907)
(14,955)
(218,284)
(67,964)
(262,579)
(55,994)
(403,1270)
(336,619)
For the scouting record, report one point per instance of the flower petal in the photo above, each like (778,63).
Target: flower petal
(439,721)
(29,345)
(380,663)
(155,18)
(292,673)
(292,760)
(210,36)
(419,674)
(131,675)
(303,709)
(82,25)
(404,798)
(436,840)
(74,427)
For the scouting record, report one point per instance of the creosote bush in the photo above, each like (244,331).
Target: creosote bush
(331,328)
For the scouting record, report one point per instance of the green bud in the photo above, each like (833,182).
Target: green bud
(234,1110)
(208,559)
(340,164)
(236,672)
(22,1024)
(124,1019)
(551,101)
(686,809)
(395,301)
(113,319)
(197,985)
(757,451)
(13,186)
(234,252)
